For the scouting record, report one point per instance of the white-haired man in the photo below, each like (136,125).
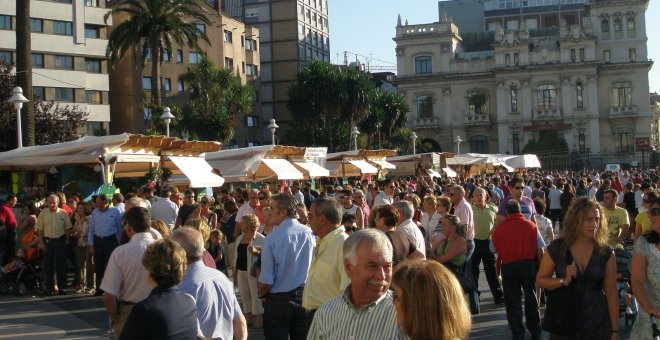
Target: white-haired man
(366,304)
(409,228)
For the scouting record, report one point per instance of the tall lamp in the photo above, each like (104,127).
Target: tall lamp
(354,134)
(272,127)
(167,117)
(18,99)
(413,138)
(458,141)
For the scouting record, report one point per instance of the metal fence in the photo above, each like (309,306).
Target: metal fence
(578,161)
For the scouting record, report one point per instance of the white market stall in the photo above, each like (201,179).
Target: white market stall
(358,163)
(429,163)
(481,162)
(524,162)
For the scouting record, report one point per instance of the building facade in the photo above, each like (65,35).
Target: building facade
(291,32)
(232,45)
(69,39)
(586,82)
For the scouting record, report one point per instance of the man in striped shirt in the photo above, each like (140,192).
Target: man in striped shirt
(365,310)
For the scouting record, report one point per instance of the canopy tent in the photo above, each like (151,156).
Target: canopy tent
(124,155)
(197,173)
(433,173)
(258,163)
(449,172)
(311,169)
(477,158)
(418,164)
(524,162)
(356,163)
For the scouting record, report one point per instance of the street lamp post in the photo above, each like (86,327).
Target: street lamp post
(413,138)
(167,117)
(18,99)
(458,144)
(354,134)
(272,127)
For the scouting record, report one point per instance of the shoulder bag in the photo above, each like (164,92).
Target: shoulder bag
(561,307)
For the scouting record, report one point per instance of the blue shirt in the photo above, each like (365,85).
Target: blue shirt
(104,224)
(216,301)
(286,256)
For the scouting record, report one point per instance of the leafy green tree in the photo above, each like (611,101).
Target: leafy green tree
(387,114)
(155,26)
(218,101)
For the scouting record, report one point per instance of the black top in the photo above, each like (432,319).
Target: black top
(216,250)
(154,317)
(241,257)
(184,212)
(228,229)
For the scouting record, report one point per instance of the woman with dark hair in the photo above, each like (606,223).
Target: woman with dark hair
(386,221)
(85,264)
(167,313)
(643,219)
(646,276)
(28,223)
(585,240)
(429,302)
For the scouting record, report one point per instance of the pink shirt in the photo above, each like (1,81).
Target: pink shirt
(464,212)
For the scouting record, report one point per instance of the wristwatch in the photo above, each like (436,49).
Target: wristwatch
(561,282)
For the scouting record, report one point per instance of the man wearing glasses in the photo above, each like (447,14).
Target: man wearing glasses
(104,231)
(187,208)
(348,208)
(526,204)
(386,196)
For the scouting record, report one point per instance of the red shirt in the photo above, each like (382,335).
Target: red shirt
(505,189)
(7,217)
(515,239)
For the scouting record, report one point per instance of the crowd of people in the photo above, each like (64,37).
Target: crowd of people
(395,258)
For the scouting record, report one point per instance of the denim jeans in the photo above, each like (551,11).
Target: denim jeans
(284,316)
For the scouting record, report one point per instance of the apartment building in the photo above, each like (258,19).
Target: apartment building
(69,39)
(232,45)
(585,80)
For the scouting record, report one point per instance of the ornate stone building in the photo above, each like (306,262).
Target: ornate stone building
(497,90)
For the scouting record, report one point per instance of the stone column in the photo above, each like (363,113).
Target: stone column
(446,107)
(592,94)
(526,96)
(566,106)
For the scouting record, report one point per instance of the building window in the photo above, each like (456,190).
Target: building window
(179,56)
(93,65)
(251,70)
(146,83)
(93,97)
(7,57)
(423,65)
(252,121)
(546,97)
(194,57)
(62,27)
(92,32)
(37,60)
(514,99)
(582,55)
(479,144)
(515,141)
(607,56)
(605,26)
(179,86)
(477,102)
(424,107)
(622,95)
(167,56)
(147,113)
(632,54)
(92,3)
(579,97)
(631,24)
(516,59)
(167,85)
(507,59)
(39,92)
(617,25)
(228,36)
(573,55)
(36,25)
(250,45)
(623,140)
(582,140)
(5,22)
(64,62)
(201,28)
(229,62)
(62,1)
(64,94)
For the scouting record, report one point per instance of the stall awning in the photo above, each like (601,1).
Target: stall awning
(364,166)
(433,173)
(198,171)
(449,172)
(283,169)
(384,164)
(312,169)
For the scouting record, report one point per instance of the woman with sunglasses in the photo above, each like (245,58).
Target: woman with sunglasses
(643,219)
(646,275)
(206,213)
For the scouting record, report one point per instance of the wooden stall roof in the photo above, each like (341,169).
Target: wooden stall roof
(170,145)
(279,151)
(381,153)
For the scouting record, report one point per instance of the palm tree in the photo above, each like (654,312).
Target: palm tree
(217,102)
(24,66)
(155,26)
(355,93)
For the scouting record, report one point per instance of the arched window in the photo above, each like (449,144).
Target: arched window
(546,97)
(424,106)
(479,144)
(477,102)
(423,65)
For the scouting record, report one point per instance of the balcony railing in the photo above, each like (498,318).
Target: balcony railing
(623,110)
(477,119)
(547,113)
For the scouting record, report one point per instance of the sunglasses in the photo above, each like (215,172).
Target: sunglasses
(654,211)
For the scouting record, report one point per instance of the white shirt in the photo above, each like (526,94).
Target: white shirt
(592,193)
(125,277)
(245,209)
(382,199)
(166,211)
(429,223)
(555,198)
(299,197)
(639,200)
(410,229)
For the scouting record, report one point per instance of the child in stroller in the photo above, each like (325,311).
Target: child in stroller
(18,275)
(627,302)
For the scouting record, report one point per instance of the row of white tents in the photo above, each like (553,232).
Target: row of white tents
(203,164)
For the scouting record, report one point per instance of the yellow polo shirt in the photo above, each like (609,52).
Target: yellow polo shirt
(53,224)
(644,220)
(326,278)
(616,218)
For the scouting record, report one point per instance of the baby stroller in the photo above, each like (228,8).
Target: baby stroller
(21,273)
(627,302)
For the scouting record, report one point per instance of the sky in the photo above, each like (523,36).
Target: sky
(366,28)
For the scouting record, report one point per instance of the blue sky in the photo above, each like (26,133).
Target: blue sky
(366,27)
